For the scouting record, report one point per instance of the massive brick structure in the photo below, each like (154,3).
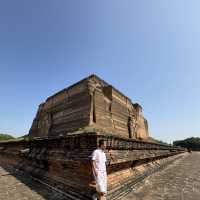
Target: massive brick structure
(68,127)
(90,104)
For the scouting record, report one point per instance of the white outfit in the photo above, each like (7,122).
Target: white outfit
(101,179)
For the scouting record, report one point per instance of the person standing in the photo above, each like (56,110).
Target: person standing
(99,170)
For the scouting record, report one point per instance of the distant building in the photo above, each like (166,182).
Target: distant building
(89,104)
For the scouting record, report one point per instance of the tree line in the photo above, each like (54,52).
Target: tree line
(6,137)
(192,143)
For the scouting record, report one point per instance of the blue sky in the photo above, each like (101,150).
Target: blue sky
(147,49)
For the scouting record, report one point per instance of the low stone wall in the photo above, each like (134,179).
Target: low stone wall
(64,162)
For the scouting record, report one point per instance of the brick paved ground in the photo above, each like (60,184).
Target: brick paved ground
(179,181)
(17,186)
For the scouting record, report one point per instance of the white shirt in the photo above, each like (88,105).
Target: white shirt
(99,157)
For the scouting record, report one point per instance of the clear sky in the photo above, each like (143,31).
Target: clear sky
(150,50)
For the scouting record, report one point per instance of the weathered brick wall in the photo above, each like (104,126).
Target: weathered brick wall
(89,103)
(65,162)
(114,112)
(63,112)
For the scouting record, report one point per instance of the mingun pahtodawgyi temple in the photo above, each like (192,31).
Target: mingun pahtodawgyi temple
(68,127)
(90,103)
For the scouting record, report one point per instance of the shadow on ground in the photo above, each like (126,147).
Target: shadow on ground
(16,185)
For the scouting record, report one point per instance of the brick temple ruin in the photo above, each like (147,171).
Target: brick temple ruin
(90,104)
(67,128)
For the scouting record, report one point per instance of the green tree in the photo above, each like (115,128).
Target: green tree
(190,143)
(5,137)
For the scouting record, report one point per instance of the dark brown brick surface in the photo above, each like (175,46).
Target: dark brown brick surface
(90,103)
(65,162)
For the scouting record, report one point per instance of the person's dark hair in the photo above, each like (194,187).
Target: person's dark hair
(101,142)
